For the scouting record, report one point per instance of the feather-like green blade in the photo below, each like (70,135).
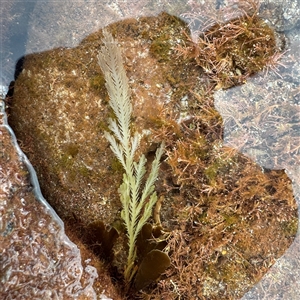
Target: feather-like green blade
(137,202)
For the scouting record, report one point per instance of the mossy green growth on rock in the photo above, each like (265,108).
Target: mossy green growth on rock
(97,82)
(290,227)
(69,104)
(210,223)
(160,48)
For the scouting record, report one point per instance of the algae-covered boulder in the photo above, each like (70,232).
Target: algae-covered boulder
(37,258)
(222,219)
(65,104)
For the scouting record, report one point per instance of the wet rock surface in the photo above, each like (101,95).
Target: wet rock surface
(225,216)
(37,259)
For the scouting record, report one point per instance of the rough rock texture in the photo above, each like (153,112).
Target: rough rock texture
(37,259)
(228,219)
(262,120)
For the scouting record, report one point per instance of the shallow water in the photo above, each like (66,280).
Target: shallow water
(272,140)
(38,260)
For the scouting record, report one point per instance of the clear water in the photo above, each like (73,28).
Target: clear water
(34,26)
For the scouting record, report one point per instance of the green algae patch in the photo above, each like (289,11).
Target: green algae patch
(214,204)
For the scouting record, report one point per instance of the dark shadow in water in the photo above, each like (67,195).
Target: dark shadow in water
(14,36)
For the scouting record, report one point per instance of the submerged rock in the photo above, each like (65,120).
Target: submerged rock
(65,91)
(37,259)
(228,220)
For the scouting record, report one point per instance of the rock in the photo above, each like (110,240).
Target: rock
(227,219)
(38,260)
